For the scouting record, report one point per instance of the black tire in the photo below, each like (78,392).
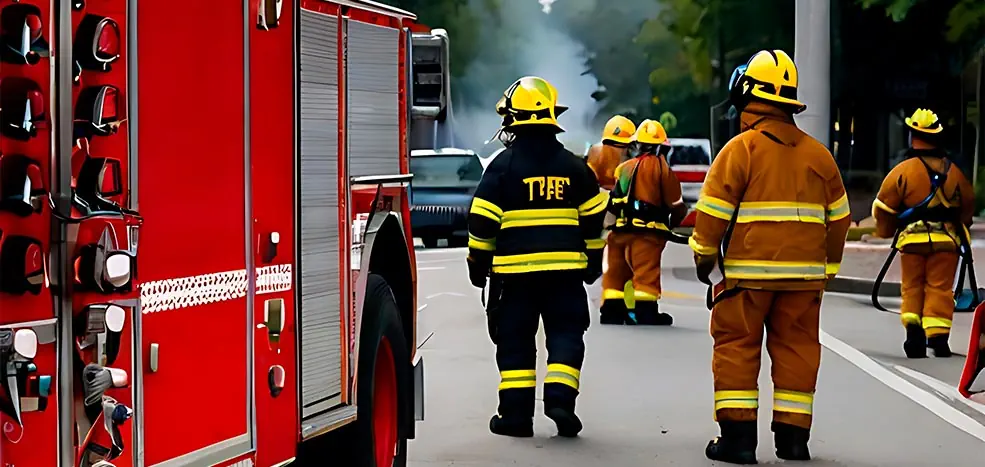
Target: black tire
(354,445)
(430,242)
(381,318)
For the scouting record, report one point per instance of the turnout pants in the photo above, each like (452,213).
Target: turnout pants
(560,299)
(790,321)
(633,267)
(926,289)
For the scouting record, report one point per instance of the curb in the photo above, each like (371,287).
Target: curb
(862,286)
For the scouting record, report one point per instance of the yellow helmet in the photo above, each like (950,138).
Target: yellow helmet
(924,121)
(530,100)
(618,129)
(771,75)
(650,132)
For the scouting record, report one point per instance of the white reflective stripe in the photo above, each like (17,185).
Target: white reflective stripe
(813,214)
(738,269)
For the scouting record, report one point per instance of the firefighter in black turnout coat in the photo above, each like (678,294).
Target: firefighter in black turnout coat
(535,228)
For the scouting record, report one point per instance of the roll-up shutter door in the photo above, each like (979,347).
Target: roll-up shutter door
(373,99)
(321,343)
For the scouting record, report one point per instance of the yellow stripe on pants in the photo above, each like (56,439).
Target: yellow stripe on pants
(560,373)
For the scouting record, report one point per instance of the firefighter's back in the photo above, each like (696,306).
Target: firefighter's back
(603,159)
(914,180)
(655,183)
(791,181)
(541,186)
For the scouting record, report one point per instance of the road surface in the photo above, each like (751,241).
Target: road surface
(646,395)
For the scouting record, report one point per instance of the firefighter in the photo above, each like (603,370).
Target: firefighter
(535,224)
(604,157)
(647,203)
(778,193)
(927,203)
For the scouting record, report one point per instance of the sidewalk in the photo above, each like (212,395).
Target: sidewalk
(863,260)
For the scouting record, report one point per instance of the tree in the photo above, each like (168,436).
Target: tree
(692,47)
(462,19)
(965,21)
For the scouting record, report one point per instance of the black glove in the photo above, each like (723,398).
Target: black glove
(477,273)
(704,265)
(594,269)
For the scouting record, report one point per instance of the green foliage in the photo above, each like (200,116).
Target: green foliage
(461,18)
(965,21)
(668,120)
(692,46)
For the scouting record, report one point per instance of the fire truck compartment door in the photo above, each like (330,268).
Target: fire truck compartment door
(373,96)
(319,280)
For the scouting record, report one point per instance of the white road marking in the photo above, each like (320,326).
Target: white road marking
(941,387)
(431,268)
(932,403)
(453,294)
(422,307)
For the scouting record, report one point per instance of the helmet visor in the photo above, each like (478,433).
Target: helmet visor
(736,74)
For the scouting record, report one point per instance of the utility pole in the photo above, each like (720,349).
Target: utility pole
(812,52)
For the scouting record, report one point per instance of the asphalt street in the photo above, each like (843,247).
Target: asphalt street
(646,396)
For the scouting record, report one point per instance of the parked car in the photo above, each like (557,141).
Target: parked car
(690,160)
(441,192)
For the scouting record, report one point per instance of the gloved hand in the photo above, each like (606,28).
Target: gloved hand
(594,269)
(704,265)
(477,273)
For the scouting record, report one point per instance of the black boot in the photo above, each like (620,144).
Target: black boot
(568,424)
(791,442)
(648,313)
(613,312)
(736,445)
(915,345)
(515,427)
(938,344)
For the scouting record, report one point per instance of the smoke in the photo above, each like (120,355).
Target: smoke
(523,41)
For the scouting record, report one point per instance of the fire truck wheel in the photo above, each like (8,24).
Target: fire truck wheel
(383,380)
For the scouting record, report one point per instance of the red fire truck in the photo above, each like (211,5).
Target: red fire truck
(205,252)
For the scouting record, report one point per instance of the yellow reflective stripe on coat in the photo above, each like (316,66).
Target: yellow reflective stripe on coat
(560,373)
(540,217)
(612,294)
(832,268)
(533,262)
(700,249)
(929,322)
(482,243)
(517,379)
(594,205)
(780,211)
(793,402)
(878,204)
(715,207)
(595,243)
(839,209)
(486,209)
(752,269)
(736,400)
(622,222)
